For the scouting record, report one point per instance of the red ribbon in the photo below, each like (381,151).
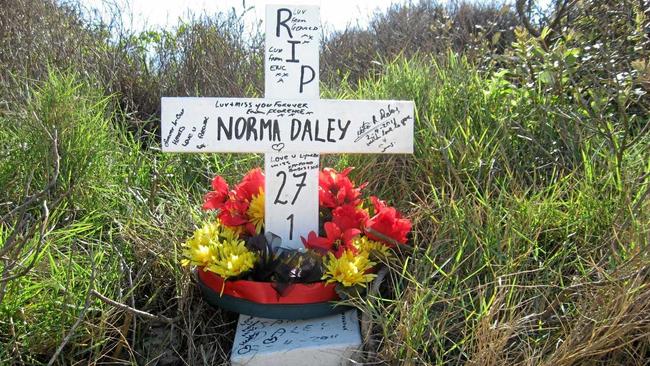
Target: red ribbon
(264,293)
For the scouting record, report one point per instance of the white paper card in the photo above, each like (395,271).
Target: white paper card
(323,341)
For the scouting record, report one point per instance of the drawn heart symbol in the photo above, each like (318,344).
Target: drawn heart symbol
(278,147)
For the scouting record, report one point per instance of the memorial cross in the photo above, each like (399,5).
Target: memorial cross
(291,125)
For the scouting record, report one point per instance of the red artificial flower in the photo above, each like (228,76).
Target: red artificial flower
(349,217)
(336,241)
(336,189)
(250,185)
(378,204)
(233,205)
(215,200)
(387,225)
(233,213)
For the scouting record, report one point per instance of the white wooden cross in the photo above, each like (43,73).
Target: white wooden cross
(291,125)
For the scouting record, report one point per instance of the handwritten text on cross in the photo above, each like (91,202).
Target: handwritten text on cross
(260,125)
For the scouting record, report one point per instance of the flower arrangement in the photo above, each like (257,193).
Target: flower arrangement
(351,241)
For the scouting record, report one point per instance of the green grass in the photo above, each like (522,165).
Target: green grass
(75,237)
(528,249)
(118,209)
(513,247)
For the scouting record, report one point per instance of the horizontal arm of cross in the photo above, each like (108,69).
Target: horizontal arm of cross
(289,126)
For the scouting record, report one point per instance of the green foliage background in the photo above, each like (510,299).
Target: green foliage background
(528,189)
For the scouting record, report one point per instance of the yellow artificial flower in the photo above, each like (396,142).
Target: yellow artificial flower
(232,259)
(197,253)
(202,248)
(365,245)
(209,231)
(256,211)
(349,269)
(229,233)
(198,250)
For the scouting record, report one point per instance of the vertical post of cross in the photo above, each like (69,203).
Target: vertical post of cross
(291,72)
